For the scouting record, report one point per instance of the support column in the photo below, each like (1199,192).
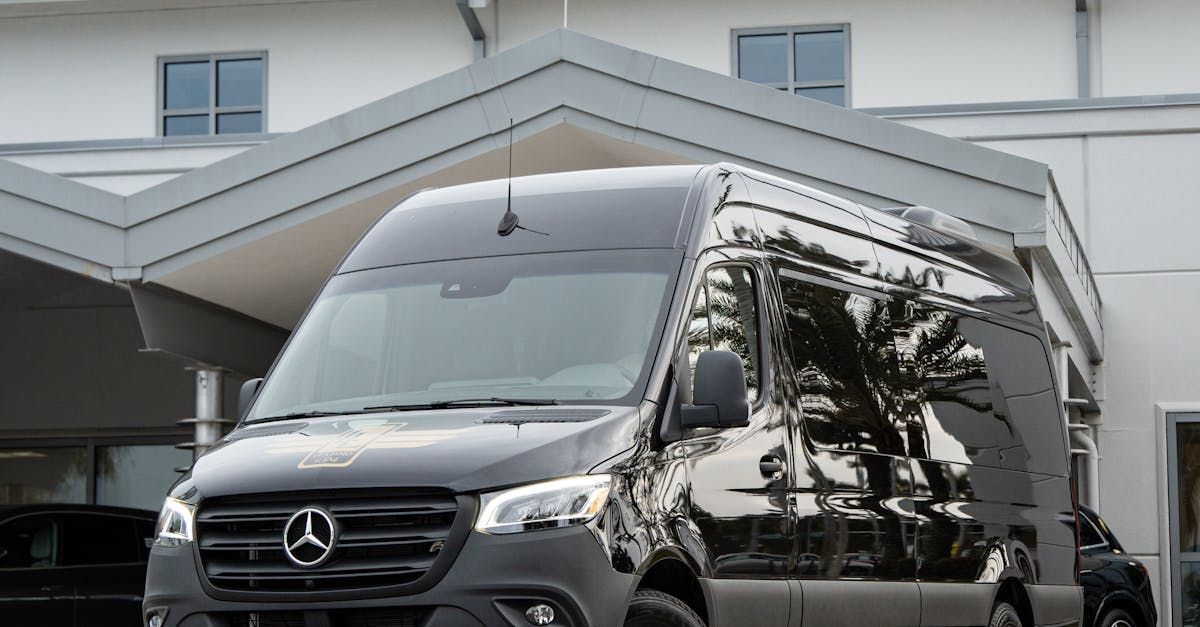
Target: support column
(208,424)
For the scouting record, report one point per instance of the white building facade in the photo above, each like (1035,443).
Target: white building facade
(161,119)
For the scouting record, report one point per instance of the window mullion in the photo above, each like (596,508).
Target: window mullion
(212,94)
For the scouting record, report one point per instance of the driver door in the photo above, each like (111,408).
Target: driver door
(738,476)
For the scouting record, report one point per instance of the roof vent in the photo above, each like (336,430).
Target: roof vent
(935,220)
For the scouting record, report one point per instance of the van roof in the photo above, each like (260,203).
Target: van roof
(587,210)
(622,208)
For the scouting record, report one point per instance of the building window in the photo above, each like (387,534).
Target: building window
(128,472)
(812,61)
(215,94)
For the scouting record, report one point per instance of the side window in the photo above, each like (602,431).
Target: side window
(90,539)
(29,542)
(1089,537)
(946,398)
(725,317)
(1024,400)
(846,366)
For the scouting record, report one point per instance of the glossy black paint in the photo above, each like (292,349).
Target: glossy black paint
(76,580)
(949,489)
(1113,579)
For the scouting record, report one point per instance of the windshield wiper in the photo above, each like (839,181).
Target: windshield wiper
(465,402)
(309,414)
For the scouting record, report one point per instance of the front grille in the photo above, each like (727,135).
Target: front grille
(390,540)
(366,617)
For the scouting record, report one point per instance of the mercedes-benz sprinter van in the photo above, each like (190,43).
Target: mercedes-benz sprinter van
(693,395)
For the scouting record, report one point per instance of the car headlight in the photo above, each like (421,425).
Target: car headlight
(175,523)
(545,505)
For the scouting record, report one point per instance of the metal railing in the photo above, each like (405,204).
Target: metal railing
(1056,217)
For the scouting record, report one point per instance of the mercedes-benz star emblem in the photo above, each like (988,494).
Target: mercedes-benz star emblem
(309,537)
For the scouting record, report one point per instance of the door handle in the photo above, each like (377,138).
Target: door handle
(771,467)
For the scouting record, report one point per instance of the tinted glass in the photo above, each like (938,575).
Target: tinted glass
(820,56)
(43,475)
(29,542)
(569,326)
(1187,459)
(846,366)
(1189,579)
(185,125)
(239,83)
(763,58)
(1027,430)
(724,317)
(947,399)
(137,476)
(1088,535)
(92,539)
(699,333)
(239,123)
(832,95)
(185,85)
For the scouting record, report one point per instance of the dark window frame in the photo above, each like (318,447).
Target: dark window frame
(212,111)
(790,32)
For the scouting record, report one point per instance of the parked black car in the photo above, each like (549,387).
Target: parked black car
(1116,587)
(64,565)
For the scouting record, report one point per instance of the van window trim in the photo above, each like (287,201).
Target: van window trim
(766,373)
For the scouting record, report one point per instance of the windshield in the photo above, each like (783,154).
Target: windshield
(563,327)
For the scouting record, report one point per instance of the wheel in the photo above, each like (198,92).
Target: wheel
(651,608)
(1005,615)
(1117,618)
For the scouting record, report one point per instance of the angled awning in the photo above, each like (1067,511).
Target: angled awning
(258,231)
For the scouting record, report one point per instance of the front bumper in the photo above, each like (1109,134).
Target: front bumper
(492,581)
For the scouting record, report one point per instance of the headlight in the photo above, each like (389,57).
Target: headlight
(557,503)
(175,523)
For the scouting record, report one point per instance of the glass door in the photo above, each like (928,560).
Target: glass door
(1183,451)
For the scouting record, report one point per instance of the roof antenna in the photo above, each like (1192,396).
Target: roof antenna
(508,223)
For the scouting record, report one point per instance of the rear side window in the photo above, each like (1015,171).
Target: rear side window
(846,367)
(725,317)
(91,539)
(29,542)
(1089,536)
(974,392)
(945,396)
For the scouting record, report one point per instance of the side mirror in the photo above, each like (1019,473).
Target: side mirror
(246,395)
(719,395)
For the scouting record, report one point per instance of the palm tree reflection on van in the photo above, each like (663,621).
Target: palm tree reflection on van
(870,377)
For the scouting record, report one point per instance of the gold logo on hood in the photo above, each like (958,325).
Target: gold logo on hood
(343,449)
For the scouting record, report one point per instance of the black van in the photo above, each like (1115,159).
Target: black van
(687,395)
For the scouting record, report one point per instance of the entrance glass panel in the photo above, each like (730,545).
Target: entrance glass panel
(1183,447)
(43,475)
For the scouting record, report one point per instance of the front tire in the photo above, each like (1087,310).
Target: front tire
(651,608)
(1117,618)
(1005,615)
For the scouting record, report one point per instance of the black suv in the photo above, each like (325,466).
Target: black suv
(1116,586)
(73,564)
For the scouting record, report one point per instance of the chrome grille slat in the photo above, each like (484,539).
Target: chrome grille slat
(386,540)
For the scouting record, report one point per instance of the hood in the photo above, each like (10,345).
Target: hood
(463,450)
